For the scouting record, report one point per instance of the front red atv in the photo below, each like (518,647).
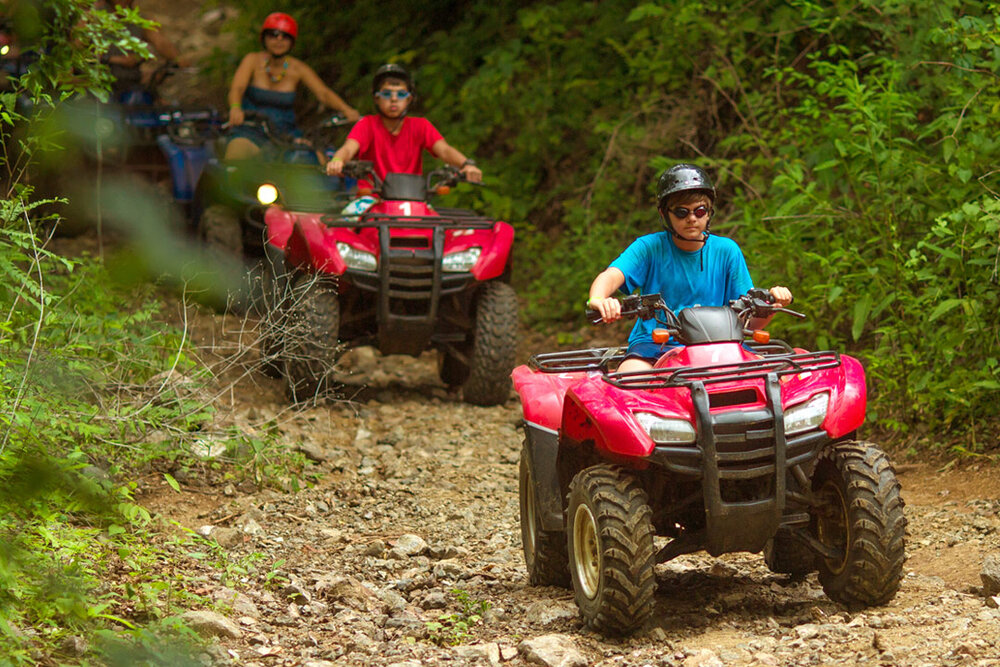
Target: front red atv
(723,446)
(403,276)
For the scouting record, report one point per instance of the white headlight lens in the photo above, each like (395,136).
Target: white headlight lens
(807,415)
(357,259)
(666,431)
(461,261)
(267,194)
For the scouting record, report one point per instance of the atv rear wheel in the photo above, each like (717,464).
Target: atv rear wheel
(859,515)
(452,370)
(611,555)
(219,227)
(784,554)
(494,345)
(544,551)
(310,339)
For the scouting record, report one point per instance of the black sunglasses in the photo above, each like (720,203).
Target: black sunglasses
(275,33)
(680,212)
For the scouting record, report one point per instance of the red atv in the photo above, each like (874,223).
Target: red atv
(726,445)
(403,276)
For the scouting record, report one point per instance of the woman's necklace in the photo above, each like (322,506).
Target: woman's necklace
(275,78)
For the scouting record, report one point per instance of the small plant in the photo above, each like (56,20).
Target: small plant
(454,628)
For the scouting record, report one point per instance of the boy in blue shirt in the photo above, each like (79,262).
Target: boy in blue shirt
(684,264)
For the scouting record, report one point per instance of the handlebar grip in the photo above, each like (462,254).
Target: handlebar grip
(594,316)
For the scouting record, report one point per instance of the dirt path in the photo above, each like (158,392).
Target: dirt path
(414,516)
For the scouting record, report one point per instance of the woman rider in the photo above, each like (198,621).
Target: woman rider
(265,82)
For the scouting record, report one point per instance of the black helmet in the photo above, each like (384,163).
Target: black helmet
(680,178)
(391,71)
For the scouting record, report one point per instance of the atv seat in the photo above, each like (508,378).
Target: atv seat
(404,187)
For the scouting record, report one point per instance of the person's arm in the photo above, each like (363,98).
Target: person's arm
(241,80)
(161,44)
(335,167)
(323,93)
(604,286)
(450,155)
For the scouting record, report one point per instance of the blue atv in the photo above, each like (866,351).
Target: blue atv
(230,197)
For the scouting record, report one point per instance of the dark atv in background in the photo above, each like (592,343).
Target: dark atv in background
(403,276)
(230,197)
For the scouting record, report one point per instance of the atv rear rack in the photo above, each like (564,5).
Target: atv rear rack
(666,378)
(595,359)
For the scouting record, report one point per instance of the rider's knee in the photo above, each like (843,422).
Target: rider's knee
(241,149)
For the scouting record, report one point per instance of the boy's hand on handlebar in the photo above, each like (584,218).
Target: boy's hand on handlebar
(609,307)
(782,296)
(335,167)
(236,116)
(472,173)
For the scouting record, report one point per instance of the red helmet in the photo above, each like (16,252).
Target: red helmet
(282,22)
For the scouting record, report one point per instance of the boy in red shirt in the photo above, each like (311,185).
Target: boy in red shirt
(393,141)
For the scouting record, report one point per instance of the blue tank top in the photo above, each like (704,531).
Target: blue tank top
(278,106)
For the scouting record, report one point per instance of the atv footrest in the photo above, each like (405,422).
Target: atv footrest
(594,359)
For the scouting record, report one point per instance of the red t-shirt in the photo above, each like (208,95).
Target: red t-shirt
(398,154)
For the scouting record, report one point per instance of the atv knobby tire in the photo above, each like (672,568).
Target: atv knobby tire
(784,554)
(310,339)
(610,543)
(544,551)
(859,514)
(494,346)
(220,229)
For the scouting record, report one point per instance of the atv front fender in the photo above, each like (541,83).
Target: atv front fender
(848,400)
(494,258)
(542,394)
(597,411)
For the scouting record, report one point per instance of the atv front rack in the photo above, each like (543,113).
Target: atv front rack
(666,378)
(445,218)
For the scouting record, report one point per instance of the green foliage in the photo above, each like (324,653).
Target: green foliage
(852,144)
(456,627)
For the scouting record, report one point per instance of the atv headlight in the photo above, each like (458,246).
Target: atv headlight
(665,431)
(267,194)
(356,259)
(463,260)
(807,415)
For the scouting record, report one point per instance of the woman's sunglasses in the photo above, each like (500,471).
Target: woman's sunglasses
(276,34)
(393,94)
(680,212)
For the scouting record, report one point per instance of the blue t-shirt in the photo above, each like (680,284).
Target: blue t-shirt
(711,276)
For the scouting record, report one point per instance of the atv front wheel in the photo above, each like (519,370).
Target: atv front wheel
(859,518)
(611,554)
(494,345)
(310,339)
(544,551)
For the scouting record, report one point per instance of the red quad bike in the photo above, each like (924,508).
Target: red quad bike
(724,446)
(403,276)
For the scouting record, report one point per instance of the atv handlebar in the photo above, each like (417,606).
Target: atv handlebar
(756,303)
(443,177)
(640,306)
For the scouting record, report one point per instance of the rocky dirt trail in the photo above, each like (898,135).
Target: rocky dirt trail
(411,528)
